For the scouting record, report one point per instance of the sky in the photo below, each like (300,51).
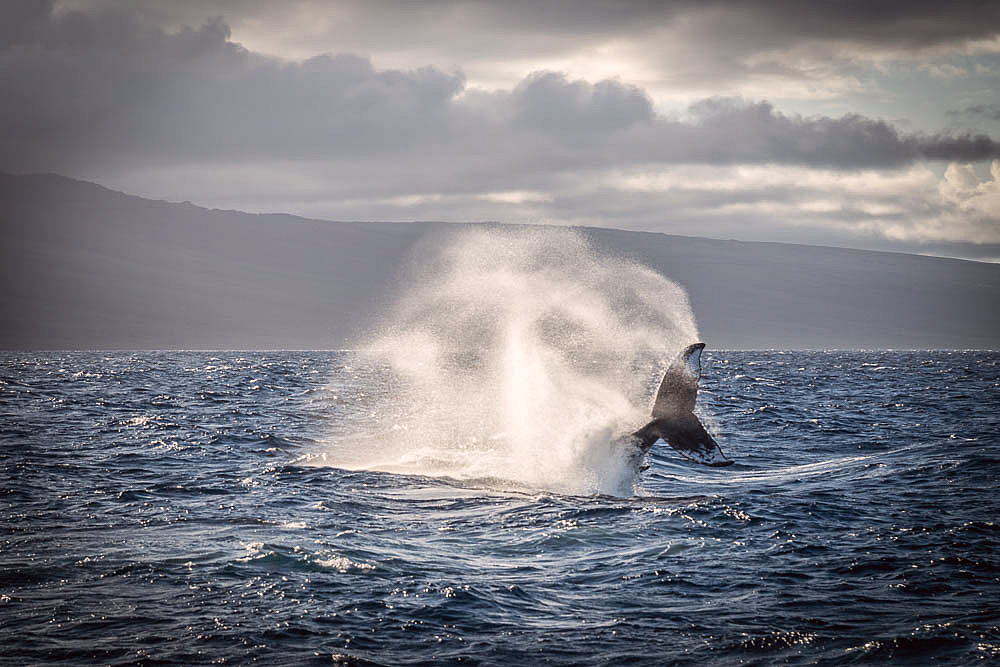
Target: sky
(859,124)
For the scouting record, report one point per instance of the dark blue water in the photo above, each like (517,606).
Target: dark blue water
(155,509)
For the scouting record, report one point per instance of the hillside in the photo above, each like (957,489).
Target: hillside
(87,267)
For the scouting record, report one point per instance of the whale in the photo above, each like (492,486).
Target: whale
(674,422)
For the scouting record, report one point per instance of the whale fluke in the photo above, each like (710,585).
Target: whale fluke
(674,421)
(679,386)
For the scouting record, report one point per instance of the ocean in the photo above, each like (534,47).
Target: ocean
(216,507)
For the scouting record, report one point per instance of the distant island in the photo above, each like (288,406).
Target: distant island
(91,268)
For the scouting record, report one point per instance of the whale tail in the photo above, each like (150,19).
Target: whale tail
(674,421)
(679,386)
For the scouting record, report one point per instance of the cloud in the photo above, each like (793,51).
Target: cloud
(908,209)
(108,89)
(781,48)
(23,22)
(548,102)
(102,88)
(912,208)
(990,111)
(977,201)
(906,24)
(113,95)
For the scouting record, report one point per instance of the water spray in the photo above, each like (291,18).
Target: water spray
(514,357)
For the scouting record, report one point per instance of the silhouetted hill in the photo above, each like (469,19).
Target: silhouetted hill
(88,267)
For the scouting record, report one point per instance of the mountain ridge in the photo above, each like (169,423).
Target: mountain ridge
(87,266)
(300,218)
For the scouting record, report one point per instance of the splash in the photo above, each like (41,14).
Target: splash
(516,357)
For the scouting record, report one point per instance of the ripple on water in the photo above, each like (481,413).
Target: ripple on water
(174,507)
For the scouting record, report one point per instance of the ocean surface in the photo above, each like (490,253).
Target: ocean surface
(177,508)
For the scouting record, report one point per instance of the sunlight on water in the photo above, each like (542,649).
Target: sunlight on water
(519,356)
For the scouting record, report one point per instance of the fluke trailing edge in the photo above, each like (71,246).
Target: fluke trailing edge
(674,421)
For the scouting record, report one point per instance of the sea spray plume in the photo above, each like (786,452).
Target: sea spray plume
(519,356)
